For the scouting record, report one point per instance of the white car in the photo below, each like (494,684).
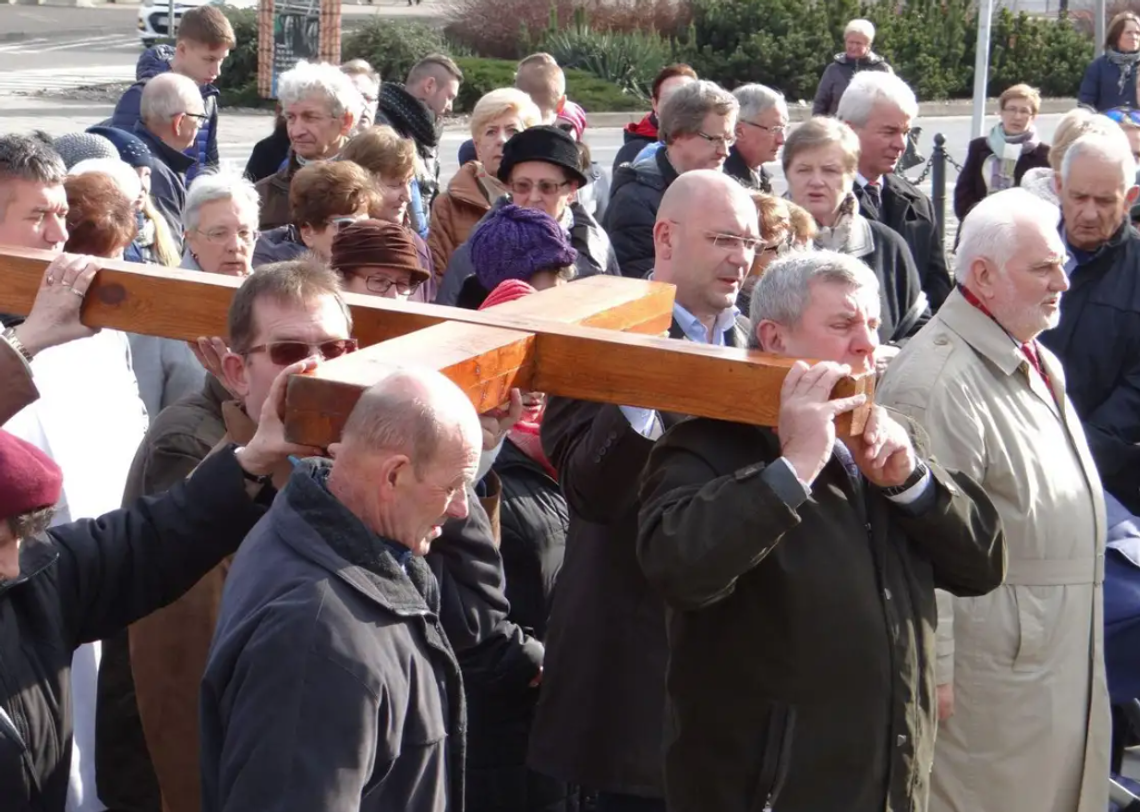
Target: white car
(154,16)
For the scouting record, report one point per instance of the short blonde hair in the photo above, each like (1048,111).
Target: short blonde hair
(1030,94)
(500,102)
(539,77)
(382,152)
(822,131)
(1076,122)
(864,27)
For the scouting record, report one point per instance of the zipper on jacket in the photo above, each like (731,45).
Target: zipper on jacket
(781,726)
(9,729)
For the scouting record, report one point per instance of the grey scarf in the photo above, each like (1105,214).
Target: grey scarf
(1007,149)
(1126,62)
(851,233)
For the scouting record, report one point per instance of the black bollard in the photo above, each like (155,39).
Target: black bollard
(938,182)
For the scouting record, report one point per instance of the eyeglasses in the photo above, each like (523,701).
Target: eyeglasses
(346,220)
(221,236)
(199,118)
(284,353)
(1122,114)
(724,140)
(1018,111)
(774,130)
(380,284)
(729,242)
(546,188)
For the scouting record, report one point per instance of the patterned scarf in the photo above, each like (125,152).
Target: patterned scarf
(1007,149)
(1125,62)
(408,114)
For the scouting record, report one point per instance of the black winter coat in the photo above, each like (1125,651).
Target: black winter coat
(89,580)
(637,192)
(635,138)
(904,308)
(838,75)
(801,631)
(1098,342)
(972,187)
(533,521)
(600,716)
(910,213)
(736,167)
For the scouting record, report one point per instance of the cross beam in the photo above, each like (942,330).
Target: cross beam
(596,339)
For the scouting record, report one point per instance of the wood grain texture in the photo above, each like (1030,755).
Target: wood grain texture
(182,304)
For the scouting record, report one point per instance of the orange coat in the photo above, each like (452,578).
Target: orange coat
(454,213)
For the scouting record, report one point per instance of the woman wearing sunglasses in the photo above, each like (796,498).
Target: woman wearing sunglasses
(1110,81)
(999,160)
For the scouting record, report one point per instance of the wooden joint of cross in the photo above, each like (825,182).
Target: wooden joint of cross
(599,339)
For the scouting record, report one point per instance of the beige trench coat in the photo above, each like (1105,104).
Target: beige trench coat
(1031,727)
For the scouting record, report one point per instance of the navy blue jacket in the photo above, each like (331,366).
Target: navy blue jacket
(156,60)
(167,178)
(1098,342)
(1100,87)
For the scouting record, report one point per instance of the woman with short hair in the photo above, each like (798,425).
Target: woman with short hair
(999,160)
(1110,80)
(497,116)
(100,217)
(821,159)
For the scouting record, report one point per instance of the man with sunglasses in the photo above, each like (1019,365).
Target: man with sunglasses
(697,130)
(759,135)
(542,169)
(599,721)
(170,113)
(147,729)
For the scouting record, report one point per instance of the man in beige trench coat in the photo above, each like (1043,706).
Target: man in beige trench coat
(1021,670)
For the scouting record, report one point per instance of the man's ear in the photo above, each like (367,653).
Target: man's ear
(982,278)
(236,375)
(347,122)
(771,337)
(1132,194)
(664,238)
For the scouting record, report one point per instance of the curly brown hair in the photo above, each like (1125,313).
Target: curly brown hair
(101,220)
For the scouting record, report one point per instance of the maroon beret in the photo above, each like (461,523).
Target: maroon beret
(29,478)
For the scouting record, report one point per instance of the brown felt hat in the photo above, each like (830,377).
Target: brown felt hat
(377,242)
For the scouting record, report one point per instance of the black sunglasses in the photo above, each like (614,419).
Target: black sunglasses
(284,353)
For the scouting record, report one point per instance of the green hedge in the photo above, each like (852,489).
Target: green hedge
(481,76)
(238,79)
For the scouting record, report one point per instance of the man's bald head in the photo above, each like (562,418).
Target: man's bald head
(705,240)
(407,457)
(413,412)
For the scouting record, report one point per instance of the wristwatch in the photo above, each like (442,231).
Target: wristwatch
(920,470)
(263,480)
(10,336)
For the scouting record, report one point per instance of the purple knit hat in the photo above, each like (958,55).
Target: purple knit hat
(517,243)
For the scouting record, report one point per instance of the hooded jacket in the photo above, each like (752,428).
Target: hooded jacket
(153,62)
(167,178)
(637,192)
(636,137)
(838,75)
(595,253)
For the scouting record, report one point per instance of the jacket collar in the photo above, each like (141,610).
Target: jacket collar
(981,332)
(1116,240)
(173,159)
(352,552)
(409,114)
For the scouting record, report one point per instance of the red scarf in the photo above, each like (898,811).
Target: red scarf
(525,435)
(1029,350)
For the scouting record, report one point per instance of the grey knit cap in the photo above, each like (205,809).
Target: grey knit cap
(76,147)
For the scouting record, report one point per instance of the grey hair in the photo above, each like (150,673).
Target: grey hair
(822,131)
(758,99)
(1108,147)
(411,411)
(318,78)
(784,291)
(683,113)
(864,27)
(212,186)
(167,95)
(990,229)
(30,159)
(869,88)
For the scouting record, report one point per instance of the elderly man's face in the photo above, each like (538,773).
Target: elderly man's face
(759,140)
(543,186)
(710,253)
(369,95)
(314,132)
(33,215)
(1094,201)
(856,45)
(839,324)
(1025,295)
(285,332)
(223,242)
(882,140)
(422,501)
(706,149)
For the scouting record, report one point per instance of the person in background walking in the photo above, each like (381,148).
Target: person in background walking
(998,161)
(857,56)
(1110,81)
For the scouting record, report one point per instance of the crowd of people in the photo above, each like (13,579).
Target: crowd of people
(562,605)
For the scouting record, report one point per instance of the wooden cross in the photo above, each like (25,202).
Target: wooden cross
(599,338)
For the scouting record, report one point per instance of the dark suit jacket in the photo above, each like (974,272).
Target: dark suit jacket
(600,715)
(909,212)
